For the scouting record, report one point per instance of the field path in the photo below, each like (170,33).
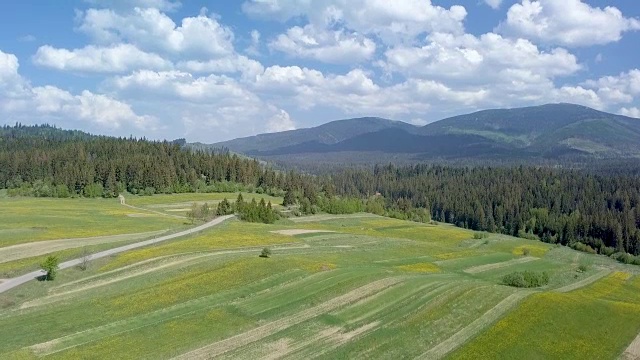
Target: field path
(315,218)
(31,249)
(633,350)
(16,281)
(464,335)
(272,327)
(154,212)
(584,282)
(487,267)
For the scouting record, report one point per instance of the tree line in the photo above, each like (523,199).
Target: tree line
(48,162)
(569,207)
(589,210)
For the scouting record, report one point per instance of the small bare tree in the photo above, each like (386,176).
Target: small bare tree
(84,261)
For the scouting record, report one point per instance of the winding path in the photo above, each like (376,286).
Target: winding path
(9,284)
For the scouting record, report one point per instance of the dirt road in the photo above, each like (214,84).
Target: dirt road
(9,284)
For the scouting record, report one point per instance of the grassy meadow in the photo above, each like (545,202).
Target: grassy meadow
(364,287)
(33,227)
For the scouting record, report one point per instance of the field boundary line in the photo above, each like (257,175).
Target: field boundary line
(499,265)
(466,333)
(16,281)
(584,282)
(632,352)
(232,343)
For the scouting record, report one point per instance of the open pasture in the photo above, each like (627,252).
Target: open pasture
(31,228)
(373,287)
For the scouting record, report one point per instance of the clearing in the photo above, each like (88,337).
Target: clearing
(353,286)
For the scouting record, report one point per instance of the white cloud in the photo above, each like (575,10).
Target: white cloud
(494,4)
(633,112)
(164,5)
(483,59)
(112,59)
(151,30)
(337,47)
(254,48)
(49,103)
(356,93)
(567,22)
(211,107)
(280,122)
(27,38)
(617,89)
(248,68)
(392,21)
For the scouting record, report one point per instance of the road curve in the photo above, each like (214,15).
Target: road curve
(9,284)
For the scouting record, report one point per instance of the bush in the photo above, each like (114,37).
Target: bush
(266,252)
(527,235)
(50,265)
(480,235)
(526,279)
(583,268)
(526,252)
(583,247)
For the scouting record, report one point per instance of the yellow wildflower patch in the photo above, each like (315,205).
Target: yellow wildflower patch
(536,250)
(420,267)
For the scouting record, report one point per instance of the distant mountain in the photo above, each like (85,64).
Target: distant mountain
(552,131)
(548,129)
(328,134)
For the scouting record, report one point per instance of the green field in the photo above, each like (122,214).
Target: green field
(365,287)
(32,227)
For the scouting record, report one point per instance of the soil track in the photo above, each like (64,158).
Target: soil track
(462,336)
(237,341)
(487,267)
(16,281)
(293,232)
(31,249)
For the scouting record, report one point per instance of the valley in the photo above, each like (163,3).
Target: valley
(335,286)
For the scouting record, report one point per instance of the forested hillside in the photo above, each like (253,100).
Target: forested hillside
(590,210)
(45,161)
(557,206)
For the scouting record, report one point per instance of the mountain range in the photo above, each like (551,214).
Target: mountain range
(551,131)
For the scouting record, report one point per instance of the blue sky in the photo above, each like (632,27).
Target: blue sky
(215,70)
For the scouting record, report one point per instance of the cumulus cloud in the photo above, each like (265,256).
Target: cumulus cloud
(151,30)
(248,68)
(479,59)
(164,5)
(622,88)
(220,104)
(111,59)
(567,22)
(54,104)
(337,47)
(356,93)
(633,112)
(281,121)
(391,21)
(494,4)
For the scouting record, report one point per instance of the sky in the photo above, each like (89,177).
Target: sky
(215,70)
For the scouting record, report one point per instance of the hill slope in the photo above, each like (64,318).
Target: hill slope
(551,131)
(330,133)
(548,128)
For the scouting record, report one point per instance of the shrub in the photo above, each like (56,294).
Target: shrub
(583,247)
(527,235)
(266,252)
(526,252)
(583,268)
(50,265)
(526,279)
(480,235)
